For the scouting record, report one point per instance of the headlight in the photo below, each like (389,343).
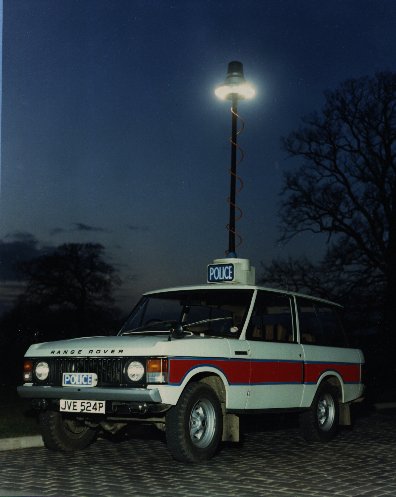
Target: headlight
(41,370)
(135,371)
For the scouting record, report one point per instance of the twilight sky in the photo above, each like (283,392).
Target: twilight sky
(111,132)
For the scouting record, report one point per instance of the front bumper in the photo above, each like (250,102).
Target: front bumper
(75,393)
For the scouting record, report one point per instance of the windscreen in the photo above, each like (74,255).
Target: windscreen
(211,312)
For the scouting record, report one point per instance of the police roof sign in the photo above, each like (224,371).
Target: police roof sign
(218,273)
(231,270)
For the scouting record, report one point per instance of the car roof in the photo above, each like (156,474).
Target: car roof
(235,286)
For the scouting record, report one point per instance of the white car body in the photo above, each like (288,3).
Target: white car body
(268,352)
(255,375)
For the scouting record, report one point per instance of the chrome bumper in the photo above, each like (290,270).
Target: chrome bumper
(75,393)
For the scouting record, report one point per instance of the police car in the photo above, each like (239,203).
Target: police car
(191,360)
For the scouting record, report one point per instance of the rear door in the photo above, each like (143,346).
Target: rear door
(325,350)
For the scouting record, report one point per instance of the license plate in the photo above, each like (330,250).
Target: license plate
(79,379)
(91,406)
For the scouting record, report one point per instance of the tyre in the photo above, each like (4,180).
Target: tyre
(320,422)
(63,433)
(194,425)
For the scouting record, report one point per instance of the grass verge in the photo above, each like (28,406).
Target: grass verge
(16,417)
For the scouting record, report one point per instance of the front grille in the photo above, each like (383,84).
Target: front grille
(110,370)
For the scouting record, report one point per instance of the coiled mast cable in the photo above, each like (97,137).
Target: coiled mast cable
(236,213)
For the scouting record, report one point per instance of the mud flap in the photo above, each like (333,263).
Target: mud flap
(345,415)
(230,428)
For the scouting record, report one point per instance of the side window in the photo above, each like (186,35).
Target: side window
(320,324)
(271,320)
(310,328)
(333,330)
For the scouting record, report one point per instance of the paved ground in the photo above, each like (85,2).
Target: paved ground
(272,461)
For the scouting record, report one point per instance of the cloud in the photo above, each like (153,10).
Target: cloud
(86,227)
(78,227)
(58,231)
(9,292)
(132,227)
(14,249)
(21,236)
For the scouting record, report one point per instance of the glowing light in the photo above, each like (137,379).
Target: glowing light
(235,85)
(241,91)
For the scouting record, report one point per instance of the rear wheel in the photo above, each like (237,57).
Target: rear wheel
(63,433)
(194,425)
(320,422)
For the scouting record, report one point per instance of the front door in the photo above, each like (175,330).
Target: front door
(276,373)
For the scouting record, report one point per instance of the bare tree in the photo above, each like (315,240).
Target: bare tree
(345,185)
(327,281)
(68,293)
(302,275)
(70,287)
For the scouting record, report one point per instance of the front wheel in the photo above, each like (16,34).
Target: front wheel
(320,422)
(63,433)
(194,425)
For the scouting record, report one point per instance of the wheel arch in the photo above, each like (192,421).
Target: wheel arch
(334,379)
(215,380)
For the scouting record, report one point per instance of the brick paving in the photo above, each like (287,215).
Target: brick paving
(271,461)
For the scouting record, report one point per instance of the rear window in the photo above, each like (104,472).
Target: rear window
(320,324)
